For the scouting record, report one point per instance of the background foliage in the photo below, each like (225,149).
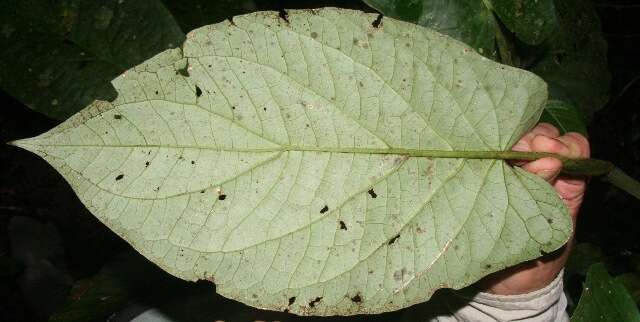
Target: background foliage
(57,261)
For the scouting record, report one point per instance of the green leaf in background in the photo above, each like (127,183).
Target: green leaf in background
(575,63)
(316,165)
(532,21)
(468,21)
(604,299)
(583,256)
(192,14)
(564,116)
(631,282)
(57,57)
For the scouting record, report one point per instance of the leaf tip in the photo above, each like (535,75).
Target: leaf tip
(26,144)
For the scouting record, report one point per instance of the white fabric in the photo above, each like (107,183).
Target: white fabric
(545,305)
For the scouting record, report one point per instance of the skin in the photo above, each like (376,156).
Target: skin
(536,274)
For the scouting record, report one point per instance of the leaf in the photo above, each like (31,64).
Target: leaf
(604,299)
(316,164)
(532,21)
(57,57)
(575,63)
(468,21)
(564,116)
(631,283)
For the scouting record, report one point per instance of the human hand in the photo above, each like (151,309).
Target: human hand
(536,274)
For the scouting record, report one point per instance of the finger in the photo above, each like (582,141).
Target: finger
(542,143)
(546,129)
(547,168)
(578,145)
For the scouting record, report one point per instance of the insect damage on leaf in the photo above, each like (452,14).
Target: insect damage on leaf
(332,164)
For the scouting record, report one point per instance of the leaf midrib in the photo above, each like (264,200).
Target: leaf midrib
(425,153)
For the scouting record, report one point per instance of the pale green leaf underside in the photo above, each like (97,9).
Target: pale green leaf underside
(266,169)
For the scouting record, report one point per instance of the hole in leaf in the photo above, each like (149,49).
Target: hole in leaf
(378,22)
(231,22)
(343,226)
(393,240)
(120,176)
(372,194)
(117,116)
(198,91)
(292,300)
(315,301)
(356,299)
(222,197)
(146,164)
(283,15)
(324,209)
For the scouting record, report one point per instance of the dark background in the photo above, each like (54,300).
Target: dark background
(54,254)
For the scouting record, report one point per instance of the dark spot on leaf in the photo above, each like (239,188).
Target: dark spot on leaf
(292,300)
(285,310)
(314,35)
(488,266)
(378,22)
(307,125)
(264,109)
(193,162)
(120,176)
(550,221)
(233,107)
(146,164)
(198,91)
(419,230)
(315,301)
(231,22)
(222,197)
(343,226)
(255,296)
(283,15)
(156,189)
(356,299)
(370,271)
(372,194)
(117,116)
(201,191)
(324,209)
(184,71)
(156,92)
(393,240)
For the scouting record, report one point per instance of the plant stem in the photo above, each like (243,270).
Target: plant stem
(574,167)
(621,180)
